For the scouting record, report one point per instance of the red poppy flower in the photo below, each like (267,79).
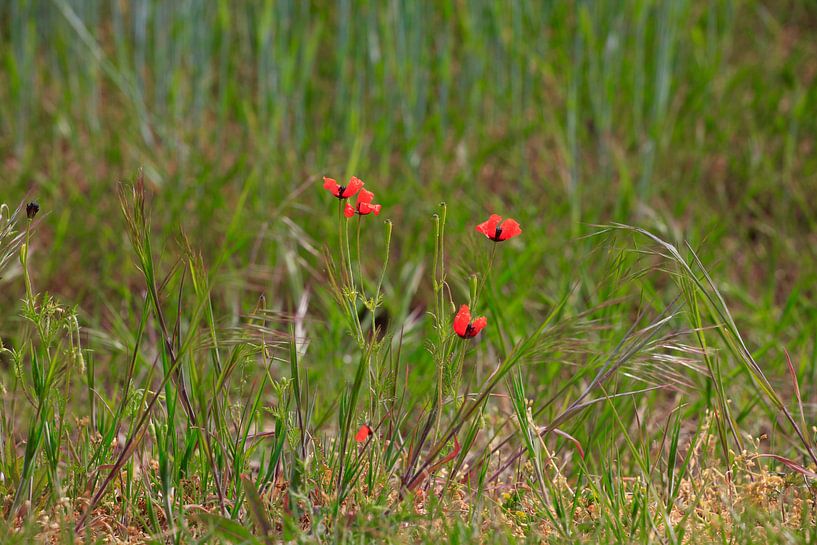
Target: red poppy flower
(498,233)
(363,433)
(364,205)
(464,327)
(342,191)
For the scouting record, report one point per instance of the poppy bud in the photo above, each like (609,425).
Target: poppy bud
(31,209)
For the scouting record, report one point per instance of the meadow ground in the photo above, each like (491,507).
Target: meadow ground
(199,346)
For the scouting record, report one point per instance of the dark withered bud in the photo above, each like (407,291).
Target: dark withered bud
(31,209)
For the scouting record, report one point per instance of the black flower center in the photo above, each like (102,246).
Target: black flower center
(497,234)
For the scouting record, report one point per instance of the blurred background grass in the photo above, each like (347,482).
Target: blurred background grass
(696,120)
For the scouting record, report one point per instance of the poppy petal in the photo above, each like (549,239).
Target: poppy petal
(364,209)
(331,185)
(461,321)
(365,197)
(488,228)
(355,184)
(510,228)
(478,325)
(348,211)
(363,433)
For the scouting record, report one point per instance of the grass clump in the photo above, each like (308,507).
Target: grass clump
(220,433)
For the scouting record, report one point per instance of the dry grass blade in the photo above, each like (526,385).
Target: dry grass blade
(791,464)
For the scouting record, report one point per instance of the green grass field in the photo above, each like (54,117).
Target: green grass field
(198,346)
